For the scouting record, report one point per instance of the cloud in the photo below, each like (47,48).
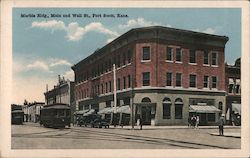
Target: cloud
(139,22)
(74,32)
(69,75)
(207,30)
(58,62)
(37,65)
(52,24)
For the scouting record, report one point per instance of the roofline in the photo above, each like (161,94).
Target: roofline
(147,28)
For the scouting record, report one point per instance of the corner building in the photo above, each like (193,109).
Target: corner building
(163,74)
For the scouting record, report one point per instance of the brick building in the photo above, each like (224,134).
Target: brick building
(233,96)
(163,74)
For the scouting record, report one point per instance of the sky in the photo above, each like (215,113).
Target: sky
(45,46)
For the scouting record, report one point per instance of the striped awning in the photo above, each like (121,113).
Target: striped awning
(81,112)
(91,111)
(124,109)
(203,109)
(106,110)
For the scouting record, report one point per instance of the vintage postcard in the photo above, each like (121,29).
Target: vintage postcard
(124,79)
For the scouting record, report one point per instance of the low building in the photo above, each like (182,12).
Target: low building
(163,74)
(233,96)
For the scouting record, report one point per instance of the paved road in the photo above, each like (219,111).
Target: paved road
(32,136)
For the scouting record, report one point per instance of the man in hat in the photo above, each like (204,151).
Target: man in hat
(221,125)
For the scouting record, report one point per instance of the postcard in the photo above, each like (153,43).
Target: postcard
(124,79)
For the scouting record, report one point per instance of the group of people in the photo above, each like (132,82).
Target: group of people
(194,121)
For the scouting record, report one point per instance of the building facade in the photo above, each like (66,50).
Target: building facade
(63,92)
(233,96)
(163,75)
(33,111)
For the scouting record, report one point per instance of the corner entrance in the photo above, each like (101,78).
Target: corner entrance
(146,111)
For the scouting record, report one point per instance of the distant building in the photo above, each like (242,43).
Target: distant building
(162,74)
(233,87)
(33,111)
(63,92)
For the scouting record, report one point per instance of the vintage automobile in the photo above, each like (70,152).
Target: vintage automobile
(99,123)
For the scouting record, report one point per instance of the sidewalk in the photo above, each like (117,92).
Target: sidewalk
(234,135)
(148,127)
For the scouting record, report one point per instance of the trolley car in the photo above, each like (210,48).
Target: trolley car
(17,117)
(55,116)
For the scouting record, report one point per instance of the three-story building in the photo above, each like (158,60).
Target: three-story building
(162,74)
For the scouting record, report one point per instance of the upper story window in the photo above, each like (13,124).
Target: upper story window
(119,84)
(206,82)
(129,81)
(124,82)
(146,53)
(192,56)
(214,82)
(110,86)
(106,88)
(214,58)
(169,79)
(118,61)
(178,80)
(129,56)
(169,54)
(192,80)
(146,78)
(206,58)
(124,59)
(237,86)
(178,56)
(231,85)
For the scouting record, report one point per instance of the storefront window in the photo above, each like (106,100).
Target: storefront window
(178,108)
(211,117)
(166,108)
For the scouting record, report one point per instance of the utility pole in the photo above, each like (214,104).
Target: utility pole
(115,100)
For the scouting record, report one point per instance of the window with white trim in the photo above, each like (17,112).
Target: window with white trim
(214,58)
(146,53)
(178,55)
(169,54)
(214,82)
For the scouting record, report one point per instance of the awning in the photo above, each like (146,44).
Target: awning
(203,109)
(105,110)
(236,108)
(91,111)
(81,112)
(124,109)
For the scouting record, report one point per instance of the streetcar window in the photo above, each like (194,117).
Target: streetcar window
(61,113)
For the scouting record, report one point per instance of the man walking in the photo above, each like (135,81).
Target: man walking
(221,125)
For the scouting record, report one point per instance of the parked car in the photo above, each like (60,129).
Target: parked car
(89,120)
(99,123)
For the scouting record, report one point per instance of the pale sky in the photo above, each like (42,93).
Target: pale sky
(44,47)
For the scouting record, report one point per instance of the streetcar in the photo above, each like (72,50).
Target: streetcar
(55,115)
(17,117)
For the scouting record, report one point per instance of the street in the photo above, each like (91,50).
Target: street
(32,136)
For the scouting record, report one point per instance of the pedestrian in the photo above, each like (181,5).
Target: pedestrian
(193,121)
(221,125)
(197,121)
(141,123)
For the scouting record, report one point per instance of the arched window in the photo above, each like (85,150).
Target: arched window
(166,105)
(146,100)
(178,108)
